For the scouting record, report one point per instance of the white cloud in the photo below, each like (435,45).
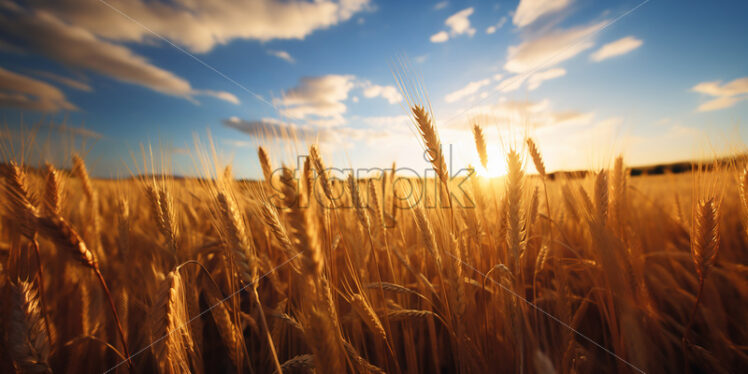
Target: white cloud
(320,101)
(536,79)
(20,91)
(389,93)
(719,103)
(320,97)
(458,24)
(528,11)
(441,5)
(616,48)
(76,46)
(225,96)
(469,89)
(492,29)
(550,49)
(201,25)
(715,88)
(440,37)
(283,55)
(726,95)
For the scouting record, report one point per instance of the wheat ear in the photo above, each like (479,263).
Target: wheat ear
(267,169)
(300,362)
(364,310)
(358,205)
(52,191)
(270,216)
(601,197)
(20,201)
(321,172)
(744,195)
(537,159)
(66,238)
(235,236)
(704,248)
(514,187)
(480,145)
(27,344)
(170,331)
(21,205)
(426,128)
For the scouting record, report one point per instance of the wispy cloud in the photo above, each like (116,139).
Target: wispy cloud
(283,55)
(269,128)
(76,131)
(493,28)
(441,5)
(78,47)
(223,95)
(528,11)
(201,25)
(70,82)
(468,90)
(420,59)
(458,24)
(726,95)
(616,48)
(537,114)
(536,79)
(512,83)
(21,91)
(550,49)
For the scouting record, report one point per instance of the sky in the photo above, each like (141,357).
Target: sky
(653,80)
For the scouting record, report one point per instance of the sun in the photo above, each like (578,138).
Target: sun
(492,169)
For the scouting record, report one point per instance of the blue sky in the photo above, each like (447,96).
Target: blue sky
(656,80)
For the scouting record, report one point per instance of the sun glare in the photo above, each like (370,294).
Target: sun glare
(493,169)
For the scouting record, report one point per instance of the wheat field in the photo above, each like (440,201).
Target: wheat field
(306,271)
